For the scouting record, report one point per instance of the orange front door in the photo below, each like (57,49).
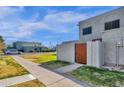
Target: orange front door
(81,53)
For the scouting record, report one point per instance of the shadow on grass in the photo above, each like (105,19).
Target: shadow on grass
(54,64)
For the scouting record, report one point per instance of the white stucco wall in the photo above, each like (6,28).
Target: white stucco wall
(95,53)
(66,52)
(89,53)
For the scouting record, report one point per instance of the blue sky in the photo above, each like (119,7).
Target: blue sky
(48,25)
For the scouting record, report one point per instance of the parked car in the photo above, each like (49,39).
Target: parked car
(12,52)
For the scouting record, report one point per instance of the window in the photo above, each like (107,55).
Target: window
(87,30)
(112,24)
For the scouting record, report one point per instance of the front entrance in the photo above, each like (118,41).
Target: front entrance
(80,53)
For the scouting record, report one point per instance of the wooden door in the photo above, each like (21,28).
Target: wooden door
(80,53)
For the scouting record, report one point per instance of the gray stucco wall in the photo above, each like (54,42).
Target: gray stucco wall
(109,37)
(97,24)
(66,52)
(110,40)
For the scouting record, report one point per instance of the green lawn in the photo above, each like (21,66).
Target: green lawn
(40,58)
(45,60)
(99,77)
(9,68)
(32,83)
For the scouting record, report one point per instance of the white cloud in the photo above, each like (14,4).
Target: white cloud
(61,21)
(65,17)
(13,26)
(9,11)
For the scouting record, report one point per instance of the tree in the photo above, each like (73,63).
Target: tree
(1,43)
(9,46)
(1,39)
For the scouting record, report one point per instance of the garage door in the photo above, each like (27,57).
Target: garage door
(80,53)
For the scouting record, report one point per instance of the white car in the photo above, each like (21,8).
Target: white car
(12,51)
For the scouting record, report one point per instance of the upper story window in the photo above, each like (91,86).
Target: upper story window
(87,30)
(112,24)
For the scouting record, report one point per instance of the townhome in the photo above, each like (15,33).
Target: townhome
(100,41)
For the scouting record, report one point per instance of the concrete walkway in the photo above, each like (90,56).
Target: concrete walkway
(47,77)
(16,80)
(68,68)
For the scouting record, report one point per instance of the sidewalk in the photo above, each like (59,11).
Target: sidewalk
(16,80)
(49,78)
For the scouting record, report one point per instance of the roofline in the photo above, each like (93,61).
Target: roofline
(26,42)
(101,14)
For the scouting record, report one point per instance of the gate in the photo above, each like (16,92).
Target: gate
(81,53)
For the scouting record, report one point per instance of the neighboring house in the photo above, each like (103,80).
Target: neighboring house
(101,36)
(28,46)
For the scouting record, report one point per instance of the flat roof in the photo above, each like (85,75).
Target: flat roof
(101,14)
(26,42)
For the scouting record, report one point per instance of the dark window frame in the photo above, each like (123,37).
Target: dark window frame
(112,24)
(87,30)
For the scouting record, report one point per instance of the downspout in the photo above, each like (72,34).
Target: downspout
(92,64)
(117,55)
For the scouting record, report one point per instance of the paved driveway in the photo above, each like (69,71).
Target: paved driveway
(49,78)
